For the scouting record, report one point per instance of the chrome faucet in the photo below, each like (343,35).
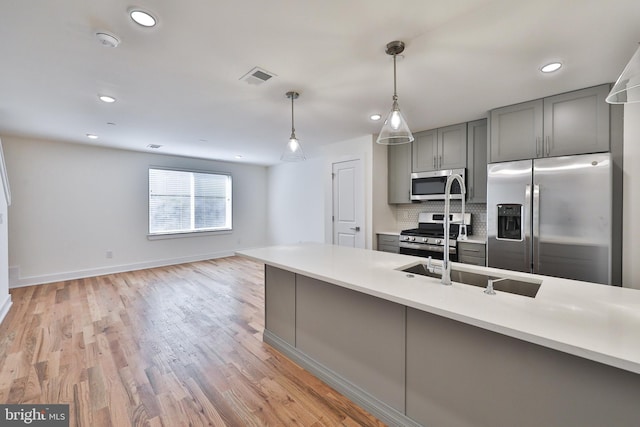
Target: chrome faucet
(446,264)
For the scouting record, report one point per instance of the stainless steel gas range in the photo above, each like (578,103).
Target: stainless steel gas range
(428,239)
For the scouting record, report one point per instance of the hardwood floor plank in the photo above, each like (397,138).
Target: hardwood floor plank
(171,346)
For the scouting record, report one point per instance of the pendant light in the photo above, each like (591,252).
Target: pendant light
(395,129)
(627,87)
(293,151)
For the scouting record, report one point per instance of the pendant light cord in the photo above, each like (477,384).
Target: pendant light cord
(293,130)
(395,92)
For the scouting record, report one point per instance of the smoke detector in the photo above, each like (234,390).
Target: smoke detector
(107,39)
(257,76)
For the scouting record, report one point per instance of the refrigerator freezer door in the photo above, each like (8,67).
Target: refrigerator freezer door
(574,218)
(509,206)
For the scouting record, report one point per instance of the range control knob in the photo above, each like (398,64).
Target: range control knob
(424,240)
(412,239)
(438,242)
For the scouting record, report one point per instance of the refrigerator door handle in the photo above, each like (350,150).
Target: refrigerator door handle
(525,226)
(536,228)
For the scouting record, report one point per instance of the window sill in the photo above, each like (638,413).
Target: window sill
(188,234)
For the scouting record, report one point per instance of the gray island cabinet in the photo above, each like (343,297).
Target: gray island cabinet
(412,363)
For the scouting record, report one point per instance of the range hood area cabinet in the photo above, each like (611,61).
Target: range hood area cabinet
(399,174)
(569,123)
(477,135)
(469,152)
(437,149)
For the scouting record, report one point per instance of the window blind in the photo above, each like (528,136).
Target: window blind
(188,201)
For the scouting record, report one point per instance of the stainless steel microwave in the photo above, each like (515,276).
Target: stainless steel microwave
(431,185)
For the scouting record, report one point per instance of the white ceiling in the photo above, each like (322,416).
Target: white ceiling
(178,84)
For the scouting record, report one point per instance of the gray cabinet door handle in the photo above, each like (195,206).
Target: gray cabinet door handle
(357,228)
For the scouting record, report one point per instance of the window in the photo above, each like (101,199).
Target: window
(188,201)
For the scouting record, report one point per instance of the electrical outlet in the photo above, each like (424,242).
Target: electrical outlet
(109,254)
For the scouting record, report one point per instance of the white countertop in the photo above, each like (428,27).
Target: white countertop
(596,322)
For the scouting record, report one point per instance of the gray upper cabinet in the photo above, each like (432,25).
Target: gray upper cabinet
(425,151)
(443,148)
(570,123)
(452,147)
(577,122)
(516,131)
(477,161)
(399,170)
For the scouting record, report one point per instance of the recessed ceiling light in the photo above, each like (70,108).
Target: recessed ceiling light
(92,136)
(551,67)
(106,98)
(375,117)
(143,18)
(239,156)
(154,146)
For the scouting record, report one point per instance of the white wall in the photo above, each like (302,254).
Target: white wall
(631,198)
(384,214)
(71,203)
(355,148)
(295,210)
(5,297)
(301,193)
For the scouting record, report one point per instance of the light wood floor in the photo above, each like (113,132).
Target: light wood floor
(172,346)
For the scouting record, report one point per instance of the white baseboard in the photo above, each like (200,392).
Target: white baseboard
(15,281)
(4,308)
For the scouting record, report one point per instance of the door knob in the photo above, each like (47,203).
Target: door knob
(355,228)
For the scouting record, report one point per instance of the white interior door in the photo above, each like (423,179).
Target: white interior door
(348,204)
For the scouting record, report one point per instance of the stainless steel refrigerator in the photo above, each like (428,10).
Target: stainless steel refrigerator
(552,216)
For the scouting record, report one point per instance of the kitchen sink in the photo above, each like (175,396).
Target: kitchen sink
(514,286)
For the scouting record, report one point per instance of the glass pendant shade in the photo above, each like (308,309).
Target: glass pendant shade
(395,129)
(627,88)
(293,151)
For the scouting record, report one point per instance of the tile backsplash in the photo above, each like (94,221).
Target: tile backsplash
(407,215)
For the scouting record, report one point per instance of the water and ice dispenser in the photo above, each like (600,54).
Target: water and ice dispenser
(510,222)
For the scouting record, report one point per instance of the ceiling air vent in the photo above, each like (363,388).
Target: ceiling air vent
(257,76)
(154,146)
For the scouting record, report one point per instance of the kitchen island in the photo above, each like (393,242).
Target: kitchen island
(415,352)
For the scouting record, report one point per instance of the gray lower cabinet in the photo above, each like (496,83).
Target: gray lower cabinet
(342,329)
(280,303)
(412,368)
(399,173)
(472,253)
(389,243)
(570,123)
(477,161)
(459,375)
